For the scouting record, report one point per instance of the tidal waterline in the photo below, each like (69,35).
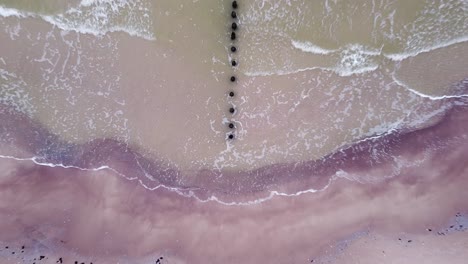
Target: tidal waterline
(159,86)
(195,80)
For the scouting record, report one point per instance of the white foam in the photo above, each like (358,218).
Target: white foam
(14,94)
(280,72)
(11,12)
(116,4)
(87,2)
(310,47)
(36,161)
(341,71)
(423,95)
(97,17)
(408,54)
(88,28)
(348,71)
(182,192)
(355,59)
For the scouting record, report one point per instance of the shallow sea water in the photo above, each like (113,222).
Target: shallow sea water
(326,91)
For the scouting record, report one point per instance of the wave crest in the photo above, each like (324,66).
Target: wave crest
(98,17)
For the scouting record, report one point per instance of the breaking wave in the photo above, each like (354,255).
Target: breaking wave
(98,17)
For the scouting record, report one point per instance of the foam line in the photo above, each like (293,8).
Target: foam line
(310,47)
(84,27)
(430,97)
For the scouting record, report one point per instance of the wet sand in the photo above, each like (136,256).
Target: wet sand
(75,213)
(305,126)
(313,117)
(86,216)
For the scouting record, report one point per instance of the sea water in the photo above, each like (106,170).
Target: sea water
(313,77)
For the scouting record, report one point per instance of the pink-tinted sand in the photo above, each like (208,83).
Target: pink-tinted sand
(100,217)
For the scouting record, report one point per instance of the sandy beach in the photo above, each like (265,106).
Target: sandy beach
(85,217)
(348,132)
